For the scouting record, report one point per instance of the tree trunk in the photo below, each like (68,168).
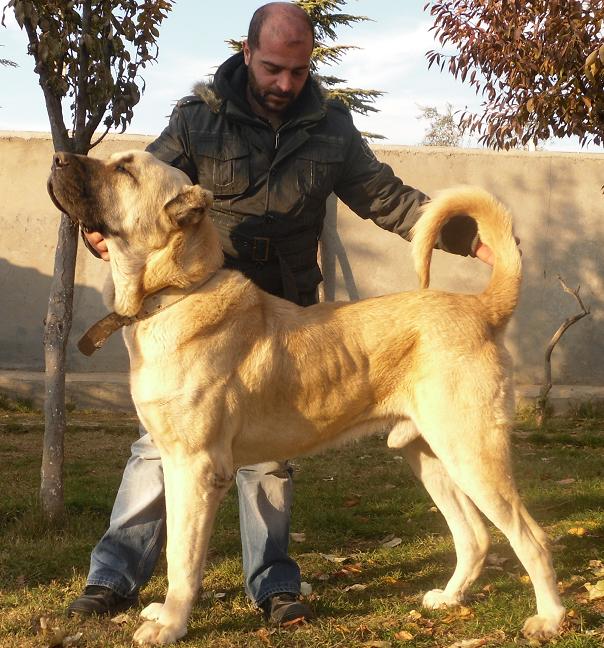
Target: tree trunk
(56,334)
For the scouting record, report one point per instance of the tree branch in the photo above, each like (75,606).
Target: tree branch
(547,370)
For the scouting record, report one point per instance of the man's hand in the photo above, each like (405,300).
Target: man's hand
(97,241)
(486,254)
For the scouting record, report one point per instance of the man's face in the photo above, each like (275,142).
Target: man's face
(277,71)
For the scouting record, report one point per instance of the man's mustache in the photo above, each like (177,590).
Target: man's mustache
(278,93)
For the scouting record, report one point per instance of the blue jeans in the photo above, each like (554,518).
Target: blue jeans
(126,555)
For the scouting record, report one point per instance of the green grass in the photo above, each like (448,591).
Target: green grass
(347,501)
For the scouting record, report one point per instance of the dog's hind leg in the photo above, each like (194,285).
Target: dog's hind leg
(195,485)
(469,532)
(478,460)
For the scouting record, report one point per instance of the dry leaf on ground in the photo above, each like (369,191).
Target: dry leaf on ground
(395,542)
(336,559)
(305,588)
(298,537)
(496,637)
(595,591)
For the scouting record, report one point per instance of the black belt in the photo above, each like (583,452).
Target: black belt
(260,249)
(297,250)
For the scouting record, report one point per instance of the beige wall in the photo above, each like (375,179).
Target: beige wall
(555,199)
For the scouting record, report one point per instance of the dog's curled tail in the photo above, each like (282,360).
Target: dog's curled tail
(494,229)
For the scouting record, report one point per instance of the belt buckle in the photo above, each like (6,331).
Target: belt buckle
(260,248)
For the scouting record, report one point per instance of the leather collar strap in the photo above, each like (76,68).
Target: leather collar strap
(98,333)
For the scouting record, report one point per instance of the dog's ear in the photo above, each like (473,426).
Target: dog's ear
(190,206)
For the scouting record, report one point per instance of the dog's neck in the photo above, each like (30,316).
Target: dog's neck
(184,260)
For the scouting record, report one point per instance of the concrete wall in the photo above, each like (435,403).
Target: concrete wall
(555,198)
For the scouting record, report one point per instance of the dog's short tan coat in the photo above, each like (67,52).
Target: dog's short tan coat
(230,375)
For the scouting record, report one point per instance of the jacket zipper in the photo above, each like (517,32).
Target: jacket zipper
(266,215)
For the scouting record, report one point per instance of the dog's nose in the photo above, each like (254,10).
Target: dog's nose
(60,160)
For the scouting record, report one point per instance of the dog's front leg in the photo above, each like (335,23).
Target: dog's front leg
(195,486)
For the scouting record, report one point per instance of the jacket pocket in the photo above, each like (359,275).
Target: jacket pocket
(223,164)
(316,165)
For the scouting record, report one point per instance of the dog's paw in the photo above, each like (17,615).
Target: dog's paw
(152,633)
(152,611)
(436,598)
(542,627)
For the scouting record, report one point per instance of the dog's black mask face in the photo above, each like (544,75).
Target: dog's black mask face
(132,197)
(80,187)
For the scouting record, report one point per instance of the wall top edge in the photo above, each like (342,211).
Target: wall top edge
(29,135)
(423,150)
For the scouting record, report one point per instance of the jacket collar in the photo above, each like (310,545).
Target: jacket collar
(227,91)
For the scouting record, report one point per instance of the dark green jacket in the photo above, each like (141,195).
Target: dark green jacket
(270,187)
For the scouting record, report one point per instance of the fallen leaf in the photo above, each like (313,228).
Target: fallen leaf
(305,588)
(352,501)
(433,509)
(298,537)
(496,560)
(336,559)
(564,482)
(597,568)
(414,615)
(52,637)
(374,643)
(120,619)
(403,635)
(212,595)
(459,613)
(577,531)
(349,570)
(357,587)
(264,633)
(72,640)
(595,591)
(390,544)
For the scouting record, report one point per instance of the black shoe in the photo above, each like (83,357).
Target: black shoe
(283,608)
(101,601)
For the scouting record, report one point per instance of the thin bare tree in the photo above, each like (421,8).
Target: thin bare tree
(90,53)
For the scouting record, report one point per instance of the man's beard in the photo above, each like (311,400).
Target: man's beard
(262,96)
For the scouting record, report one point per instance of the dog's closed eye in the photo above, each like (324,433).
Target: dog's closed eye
(120,168)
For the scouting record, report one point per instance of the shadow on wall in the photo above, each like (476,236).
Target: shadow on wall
(25,299)
(569,244)
(558,237)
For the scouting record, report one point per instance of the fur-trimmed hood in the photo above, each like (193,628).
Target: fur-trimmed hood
(229,84)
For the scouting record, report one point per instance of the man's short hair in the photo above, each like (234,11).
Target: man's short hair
(259,18)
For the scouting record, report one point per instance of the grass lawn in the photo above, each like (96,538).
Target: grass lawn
(348,503)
